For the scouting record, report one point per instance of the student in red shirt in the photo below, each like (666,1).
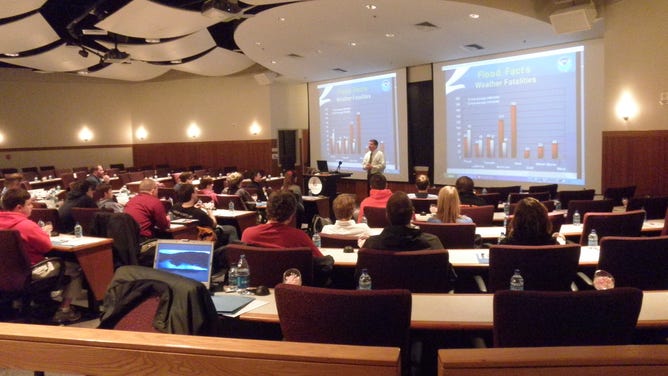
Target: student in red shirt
(147,210)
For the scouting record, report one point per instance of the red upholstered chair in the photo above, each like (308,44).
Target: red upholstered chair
(540,196)
(580,194)
(654,206)
(640,262)
(505,191)
(586,206)
(268,264)
(552,188)
(452,235)
(557,220)
(545,267)
(338,241)
(224,202)
(46,215)
(576,318)
(352,317)
(136,176)
(612,224)
(617,193)
(376,217)
(421,205)
(664,232)
(492,198)
(140,318)
(166,193)
(425,271)
(85,218)
(483,216)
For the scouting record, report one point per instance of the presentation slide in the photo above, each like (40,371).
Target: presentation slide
(512,119)
(346,114)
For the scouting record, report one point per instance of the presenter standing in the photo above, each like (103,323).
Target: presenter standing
(374,160)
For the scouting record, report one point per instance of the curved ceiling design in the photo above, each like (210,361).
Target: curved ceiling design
(306,40)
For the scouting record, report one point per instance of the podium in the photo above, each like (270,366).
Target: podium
(328,181)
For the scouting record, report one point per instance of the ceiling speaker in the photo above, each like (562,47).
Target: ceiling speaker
(573,19)
(266,78)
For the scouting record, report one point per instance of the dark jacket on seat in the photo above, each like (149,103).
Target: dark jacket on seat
(185,305)
(403,238)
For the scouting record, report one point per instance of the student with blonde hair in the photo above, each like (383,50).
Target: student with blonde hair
(448,210)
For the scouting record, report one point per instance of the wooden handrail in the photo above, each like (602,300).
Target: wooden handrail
(113,352)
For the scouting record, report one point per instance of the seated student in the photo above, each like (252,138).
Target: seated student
(448,207)
(344,206)
(234,187)
(378,195)
(256,183)
(289,185)
(530,225)
(80,196)
(187,208)
(400,235)
(206,188)
(97,176)
(12,181)
(185,177)
(464,185)
(17,204)
(147,210)
(422,184)
(278,231)
(107,200)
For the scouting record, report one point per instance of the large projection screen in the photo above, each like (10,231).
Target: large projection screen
(520,118)
(345,114)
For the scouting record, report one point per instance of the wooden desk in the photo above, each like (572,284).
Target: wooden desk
(95,257)
(459,258)
(648,227)
(180,231)
(316,205)
(134,185)
(241,219)
(46,184)
(471,311)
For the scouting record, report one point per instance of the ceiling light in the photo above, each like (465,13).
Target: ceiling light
(274,62)
(221,9)
(389,35)
(370,7)
(282,19)
(152,40)
(177,61)
(11,54)
(475,16)
(353,44)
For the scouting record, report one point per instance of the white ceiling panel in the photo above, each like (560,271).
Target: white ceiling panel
(10,8)
(176,49)
(146,19)
(26,34)
(218,62)
(134,71)
(60,59)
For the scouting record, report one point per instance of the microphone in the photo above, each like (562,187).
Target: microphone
(339,168)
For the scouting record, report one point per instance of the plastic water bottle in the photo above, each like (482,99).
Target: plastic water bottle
(78,230)
(230,206)
(316,239)
(502,236)
(243,275)
(592,239)
(557,205)
(576,218)
(364,219)
(516,281)
(364,281)
(484,191)
(506,208)
(41,223)
(232,279)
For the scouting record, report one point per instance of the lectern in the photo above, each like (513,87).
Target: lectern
(324,183)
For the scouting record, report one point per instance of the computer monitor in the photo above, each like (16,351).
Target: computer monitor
(322,166)
(190,259)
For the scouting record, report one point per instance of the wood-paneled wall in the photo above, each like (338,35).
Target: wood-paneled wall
(637,158)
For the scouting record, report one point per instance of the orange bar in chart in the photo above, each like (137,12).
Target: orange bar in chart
(555,149)
(500,135)
(488,146)
(476,148)
(351,136)
(465,147)
(541,151)
(513,130)
(527,153)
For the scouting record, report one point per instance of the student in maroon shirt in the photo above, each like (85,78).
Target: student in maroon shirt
(147,210)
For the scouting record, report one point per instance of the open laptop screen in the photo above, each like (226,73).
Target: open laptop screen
(322,166)
(191,259)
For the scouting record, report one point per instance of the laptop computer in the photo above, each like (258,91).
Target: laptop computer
(187,258)
(322,166)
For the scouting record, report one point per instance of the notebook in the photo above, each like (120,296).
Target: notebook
(229,304)
(187,258)
(322,166)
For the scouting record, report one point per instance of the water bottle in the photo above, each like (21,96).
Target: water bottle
(364,281)
(592,239)
(576,218)
(506,208)
(516,281)
(505,222)
(230,206)
(78,230)
(502,236)
(41,223)
(232,279)
(364,219)
(557,205)
(243,275)
(316,239)
(484,191)
(124,190)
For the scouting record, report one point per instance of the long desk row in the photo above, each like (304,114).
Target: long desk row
(470,311)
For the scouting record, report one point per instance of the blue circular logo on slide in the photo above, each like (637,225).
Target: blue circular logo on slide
(564,64)
(386,85)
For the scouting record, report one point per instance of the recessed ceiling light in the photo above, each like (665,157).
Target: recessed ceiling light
(177,61)
(370,6)
(389,35)
(274,61)
(281,19)
(11,54)
(83,72)
(353,44)
(475,16)
(258,43)
(152,40)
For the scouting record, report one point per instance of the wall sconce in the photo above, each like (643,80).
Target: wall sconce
(141,133)
(194,131)
(85,134)
(2,138)
(255,129)
(626,106)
